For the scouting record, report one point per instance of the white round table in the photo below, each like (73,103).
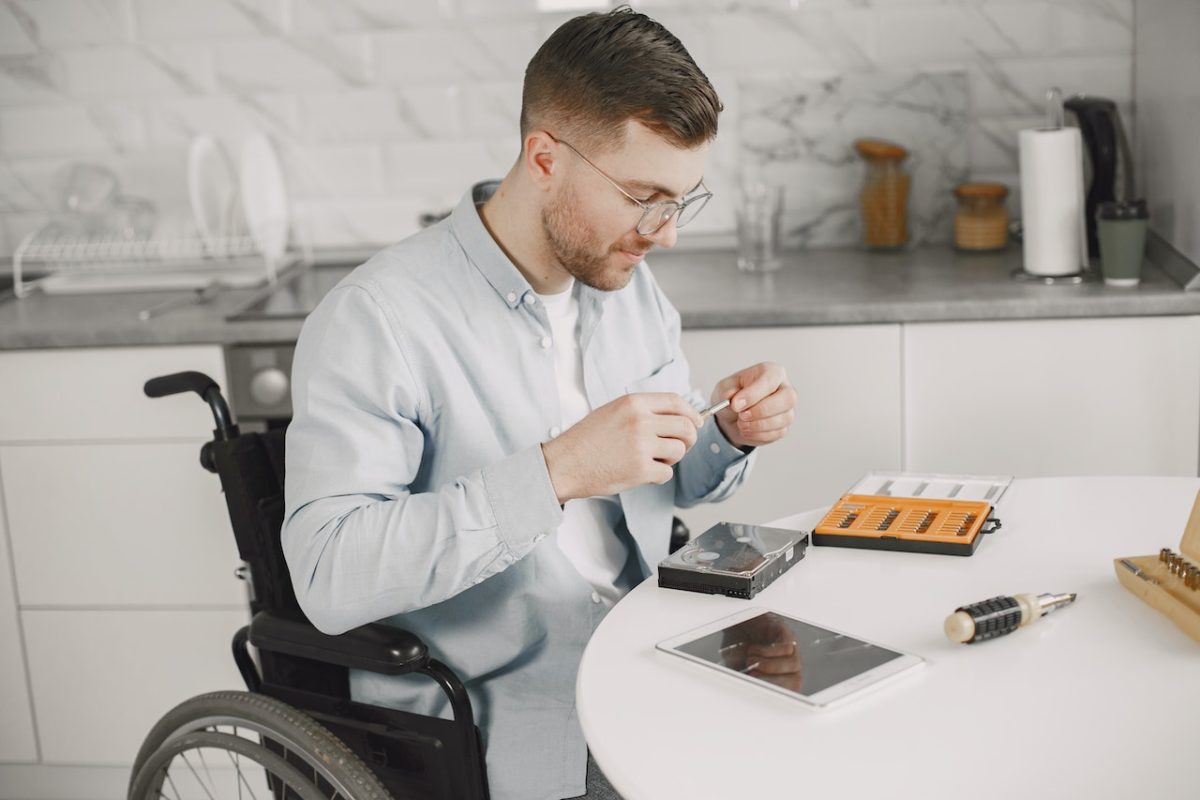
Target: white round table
(1096,700)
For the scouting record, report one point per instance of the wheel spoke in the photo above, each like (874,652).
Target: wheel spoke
(237,765)
(197,777)
(203,763)
(174,788)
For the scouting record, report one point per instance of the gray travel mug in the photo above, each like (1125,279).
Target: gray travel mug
(1121,228)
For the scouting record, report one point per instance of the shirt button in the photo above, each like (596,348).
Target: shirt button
(530,299)
(716,448)
(547,342)
(512,297)
(595,597)
(555,431)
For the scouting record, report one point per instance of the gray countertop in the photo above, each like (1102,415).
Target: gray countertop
(816,287)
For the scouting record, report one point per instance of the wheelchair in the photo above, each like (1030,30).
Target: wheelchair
(296,733)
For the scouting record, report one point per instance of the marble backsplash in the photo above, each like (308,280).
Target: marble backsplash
(385,109)
(799,133)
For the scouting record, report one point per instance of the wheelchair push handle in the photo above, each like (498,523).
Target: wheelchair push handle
(178,383)
(201,384)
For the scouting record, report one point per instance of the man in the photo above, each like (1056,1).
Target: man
(490,428)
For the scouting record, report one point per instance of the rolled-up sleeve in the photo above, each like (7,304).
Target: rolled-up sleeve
(359,544)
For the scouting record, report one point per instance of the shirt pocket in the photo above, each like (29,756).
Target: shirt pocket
(670,377)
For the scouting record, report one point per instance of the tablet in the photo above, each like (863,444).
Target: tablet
(811,663)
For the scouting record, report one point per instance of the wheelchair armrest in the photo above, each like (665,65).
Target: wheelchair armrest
(374,647)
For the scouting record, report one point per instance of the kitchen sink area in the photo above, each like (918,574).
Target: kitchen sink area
(295,295)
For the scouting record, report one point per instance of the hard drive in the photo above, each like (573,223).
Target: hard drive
(733,559)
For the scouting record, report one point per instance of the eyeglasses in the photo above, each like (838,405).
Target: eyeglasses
(654,215)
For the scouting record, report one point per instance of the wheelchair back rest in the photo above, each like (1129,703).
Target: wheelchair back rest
(251,470)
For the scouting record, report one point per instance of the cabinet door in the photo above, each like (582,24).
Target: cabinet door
(17,741)
(1112,396)
(118,524)
(101,679)
(847,415)
(96,393)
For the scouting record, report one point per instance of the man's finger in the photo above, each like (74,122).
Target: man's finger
(669,451)
(676,427)
(765,379)
(771,423)
(780,401)
(671,403)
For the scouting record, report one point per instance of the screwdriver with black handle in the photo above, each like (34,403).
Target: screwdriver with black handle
(1001,615)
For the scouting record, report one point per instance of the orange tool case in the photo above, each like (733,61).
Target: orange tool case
(918,513)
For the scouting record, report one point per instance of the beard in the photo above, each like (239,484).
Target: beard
(579,250)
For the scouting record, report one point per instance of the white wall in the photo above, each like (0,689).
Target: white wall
(1167,88)
(384,108)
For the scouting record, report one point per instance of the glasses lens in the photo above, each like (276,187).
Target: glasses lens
(691,210)
(655,217)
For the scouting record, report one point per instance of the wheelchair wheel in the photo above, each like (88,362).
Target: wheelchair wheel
(243,745)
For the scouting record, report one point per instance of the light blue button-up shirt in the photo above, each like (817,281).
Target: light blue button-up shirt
(417,492)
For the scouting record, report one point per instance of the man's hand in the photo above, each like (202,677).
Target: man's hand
(762,405)
(632,441)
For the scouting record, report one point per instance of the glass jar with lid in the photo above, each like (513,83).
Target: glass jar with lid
(981,223)
(884,197)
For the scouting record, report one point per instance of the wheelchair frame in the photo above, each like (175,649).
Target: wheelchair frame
(412,755)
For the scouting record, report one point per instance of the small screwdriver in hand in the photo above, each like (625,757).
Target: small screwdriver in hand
(979,622)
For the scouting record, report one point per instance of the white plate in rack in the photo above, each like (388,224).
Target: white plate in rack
(212,189)
(264,197)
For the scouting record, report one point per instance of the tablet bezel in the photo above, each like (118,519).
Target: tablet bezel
(852,686)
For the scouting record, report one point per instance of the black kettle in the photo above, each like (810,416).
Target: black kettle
(1107,163)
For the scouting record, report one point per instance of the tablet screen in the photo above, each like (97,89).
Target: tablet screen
(787,653)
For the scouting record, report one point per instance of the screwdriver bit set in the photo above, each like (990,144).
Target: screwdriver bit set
(1169,581)
(948,515)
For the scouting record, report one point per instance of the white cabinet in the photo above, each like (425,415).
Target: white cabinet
(129,524)
(121,549)
(1110,396)
(847,414)
(73,395)
(17,741)
(102,678)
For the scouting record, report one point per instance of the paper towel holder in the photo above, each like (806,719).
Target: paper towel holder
(1055,120)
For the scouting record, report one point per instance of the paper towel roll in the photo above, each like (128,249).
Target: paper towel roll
(1052,203)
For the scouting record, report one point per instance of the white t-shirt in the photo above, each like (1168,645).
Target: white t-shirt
(587,536)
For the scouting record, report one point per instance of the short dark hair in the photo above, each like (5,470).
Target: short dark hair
(598,70)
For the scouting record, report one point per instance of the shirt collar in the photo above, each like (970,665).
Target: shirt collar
(489,259)
(482,249)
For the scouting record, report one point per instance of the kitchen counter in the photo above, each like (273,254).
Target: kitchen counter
(816,287)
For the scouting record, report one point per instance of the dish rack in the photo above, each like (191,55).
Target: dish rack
(81,265)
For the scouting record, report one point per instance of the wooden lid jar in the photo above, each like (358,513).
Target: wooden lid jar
(981,223)
(884,197)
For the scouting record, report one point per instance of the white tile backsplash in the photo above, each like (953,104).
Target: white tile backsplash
(381,115)
(159,20)
(270,63)
(64,131)
(366,16)
(112,71)
(230,119)
(34,79)
(383,109)
(57,23)
(327,172)
(17,32)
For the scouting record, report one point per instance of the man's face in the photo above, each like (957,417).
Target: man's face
(591,226)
